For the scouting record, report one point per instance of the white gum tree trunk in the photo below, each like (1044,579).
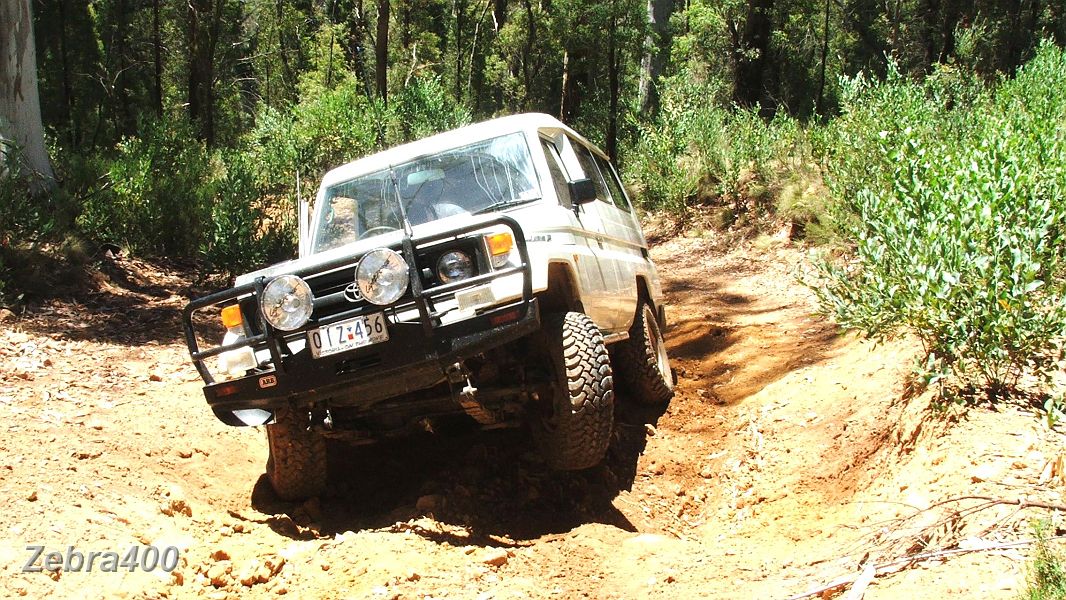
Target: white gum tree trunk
(20,104)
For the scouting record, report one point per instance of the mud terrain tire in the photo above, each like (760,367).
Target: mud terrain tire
(641,361)
(297,464)
(578,431)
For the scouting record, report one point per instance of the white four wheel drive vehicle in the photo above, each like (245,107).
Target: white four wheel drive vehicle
(496,272)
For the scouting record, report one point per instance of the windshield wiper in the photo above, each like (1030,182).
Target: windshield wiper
(504,204)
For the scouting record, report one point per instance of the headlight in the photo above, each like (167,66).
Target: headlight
(455,265)
(382,276)
(287,302)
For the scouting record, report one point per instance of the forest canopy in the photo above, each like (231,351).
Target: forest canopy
(178,128)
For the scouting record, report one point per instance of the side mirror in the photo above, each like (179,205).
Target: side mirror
(582,191)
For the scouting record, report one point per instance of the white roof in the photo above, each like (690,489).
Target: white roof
(527,122)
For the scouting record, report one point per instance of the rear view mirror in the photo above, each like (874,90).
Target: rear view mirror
(582,191)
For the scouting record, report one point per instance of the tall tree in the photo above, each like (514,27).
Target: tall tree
(381,51)
(205,20)
(20,105)
(751,53)
(656,55)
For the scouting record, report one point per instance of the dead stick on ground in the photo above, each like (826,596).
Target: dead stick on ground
(894,565)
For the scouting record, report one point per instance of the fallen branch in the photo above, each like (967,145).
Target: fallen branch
(898,564)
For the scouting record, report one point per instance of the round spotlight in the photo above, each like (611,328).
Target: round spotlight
(382,276)
(454,266)
(287,302)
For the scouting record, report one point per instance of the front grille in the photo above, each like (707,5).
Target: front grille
(328,288)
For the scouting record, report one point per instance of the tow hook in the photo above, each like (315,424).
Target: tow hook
(467,396)
(320,421)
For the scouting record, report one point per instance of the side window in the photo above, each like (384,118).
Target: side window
(613,184)
(555,167)
(588,166)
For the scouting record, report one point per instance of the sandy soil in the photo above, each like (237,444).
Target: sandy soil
(790,459)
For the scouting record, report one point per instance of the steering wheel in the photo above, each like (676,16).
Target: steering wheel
(379,228)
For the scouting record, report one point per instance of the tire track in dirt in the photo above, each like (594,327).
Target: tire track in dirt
(742,487)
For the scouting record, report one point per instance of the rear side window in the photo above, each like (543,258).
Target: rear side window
(611,178)
(555,167)
(588,166)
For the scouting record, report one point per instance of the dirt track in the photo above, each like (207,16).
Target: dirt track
(787,459)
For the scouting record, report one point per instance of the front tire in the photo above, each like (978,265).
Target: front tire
(642,362)
(576,433)
(297,464)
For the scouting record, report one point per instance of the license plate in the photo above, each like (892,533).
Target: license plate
(347,335)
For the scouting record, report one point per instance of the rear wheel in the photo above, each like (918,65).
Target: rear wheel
(297,464)
(575,429)
(641,361)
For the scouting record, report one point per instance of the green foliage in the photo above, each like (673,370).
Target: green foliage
(698,154)
(156,199)
(958,217)
(1047,572)
(236,239)
(25,216)
(424,108)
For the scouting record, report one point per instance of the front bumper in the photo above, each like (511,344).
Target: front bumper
(415,356)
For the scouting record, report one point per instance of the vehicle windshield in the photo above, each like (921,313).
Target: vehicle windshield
(490,174)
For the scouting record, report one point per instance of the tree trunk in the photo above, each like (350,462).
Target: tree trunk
(288,77)
(612,84)
(459,11)
(205,18)
(499,14)
(929,31)
(20,105)
(157,49)
(118,47)
(531,38)
(566,98)
(819,106)
(68,88)
(656,55)
(357,34)
(750,58)
(381,52)
(952,13)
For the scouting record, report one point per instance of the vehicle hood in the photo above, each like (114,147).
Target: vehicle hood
(337,256)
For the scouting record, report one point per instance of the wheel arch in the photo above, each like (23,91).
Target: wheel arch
(644,293)
(562,293)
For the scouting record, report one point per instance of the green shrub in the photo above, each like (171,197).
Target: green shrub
(698,153)
(1047,572)
(423,108)
(24,216)
(958,219)
(238,238)
(156,199)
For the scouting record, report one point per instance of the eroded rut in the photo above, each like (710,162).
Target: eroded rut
(728,492)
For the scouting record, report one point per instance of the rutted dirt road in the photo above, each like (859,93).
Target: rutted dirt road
(788,459)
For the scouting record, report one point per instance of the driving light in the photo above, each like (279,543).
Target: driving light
(455,265)
(382,276)
(287,302)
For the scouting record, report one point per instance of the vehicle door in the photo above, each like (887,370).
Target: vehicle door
(624,245)
(578,232)
(610,244)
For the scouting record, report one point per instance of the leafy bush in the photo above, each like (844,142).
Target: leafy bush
(24,215)
(959,223)
(423,108)
(239,237)
(156,199)
(698,153)
(1047,572)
